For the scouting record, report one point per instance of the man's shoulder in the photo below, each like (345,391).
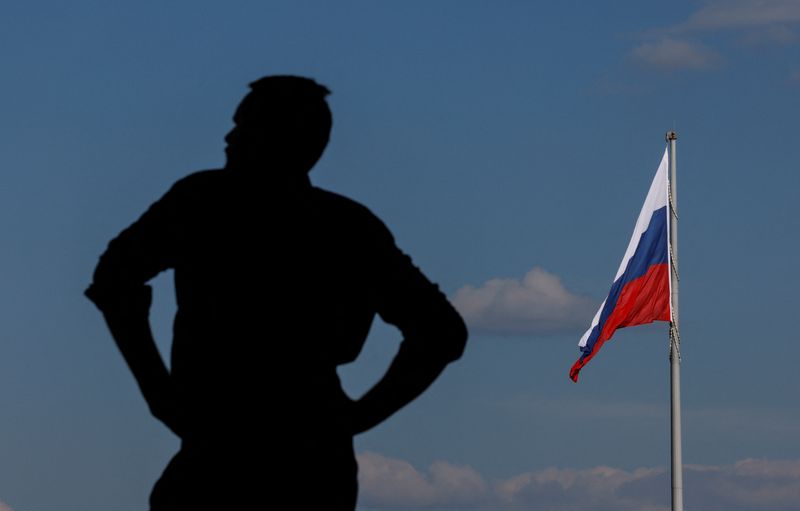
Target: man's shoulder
(346,209)
(201,179)
(352,219)
(194,187)
(335,200)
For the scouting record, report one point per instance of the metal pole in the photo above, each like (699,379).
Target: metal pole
(674,344)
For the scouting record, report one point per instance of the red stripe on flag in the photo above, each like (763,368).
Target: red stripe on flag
(641,301)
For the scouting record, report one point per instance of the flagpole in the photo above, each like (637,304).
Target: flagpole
(674,337)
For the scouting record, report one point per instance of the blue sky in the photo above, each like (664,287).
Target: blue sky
(494,140)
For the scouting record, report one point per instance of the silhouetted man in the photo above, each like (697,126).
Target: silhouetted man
(277,284)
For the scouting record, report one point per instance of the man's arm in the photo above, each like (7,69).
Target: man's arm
(118,289)
(433,336)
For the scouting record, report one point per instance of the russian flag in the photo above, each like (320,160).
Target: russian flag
(641,290)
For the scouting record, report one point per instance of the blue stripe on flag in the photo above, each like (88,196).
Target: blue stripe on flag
(651,250)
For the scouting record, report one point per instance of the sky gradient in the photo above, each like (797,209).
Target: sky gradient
(509,149)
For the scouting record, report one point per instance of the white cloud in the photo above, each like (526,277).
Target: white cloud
(721,14)
(390,483)
(777,34)
(567,489)
(675,55)
(753,22)
(537,304)
(748,484)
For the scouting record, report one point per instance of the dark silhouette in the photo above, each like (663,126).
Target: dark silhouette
(277,283)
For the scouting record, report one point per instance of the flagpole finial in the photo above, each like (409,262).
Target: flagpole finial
(671,135)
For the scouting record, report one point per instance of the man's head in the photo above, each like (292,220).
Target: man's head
(282,125)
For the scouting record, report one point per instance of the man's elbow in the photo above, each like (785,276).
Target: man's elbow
(452,337)
(120,298)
